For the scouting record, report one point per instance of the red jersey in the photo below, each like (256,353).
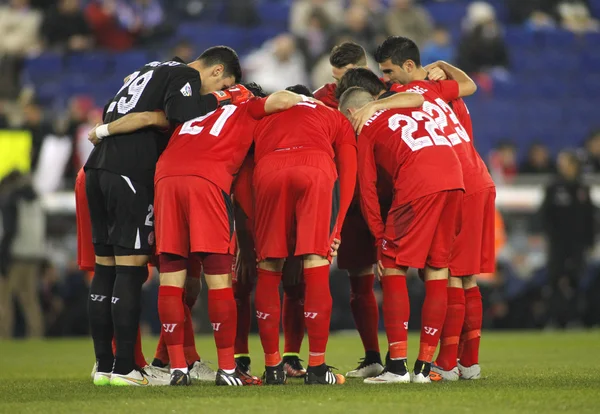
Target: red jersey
(212,146)
(305,126)
(458,129)
(326,94)
(410,148)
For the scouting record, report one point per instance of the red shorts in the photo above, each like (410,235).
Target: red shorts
(357,250)
(86,258)
(193,215)
(423,231)
(296,203)
(474,250)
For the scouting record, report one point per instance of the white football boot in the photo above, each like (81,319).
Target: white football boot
(451,375)
(387,377)
(200,371)
(469,373)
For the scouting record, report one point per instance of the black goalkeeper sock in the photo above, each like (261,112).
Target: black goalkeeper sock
(100,316)
(126,307)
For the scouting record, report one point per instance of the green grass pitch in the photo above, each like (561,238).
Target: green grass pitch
(524,372)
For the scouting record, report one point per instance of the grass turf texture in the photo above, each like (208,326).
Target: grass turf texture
(524,372)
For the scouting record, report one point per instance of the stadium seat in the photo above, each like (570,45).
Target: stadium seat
(274,13)
(447,14)
(125,63)
(91,64)
(44,67)
(519,37)
(558,39)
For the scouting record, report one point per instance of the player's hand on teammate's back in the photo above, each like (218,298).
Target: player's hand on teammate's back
(92,137)
(233,96)
(361,116)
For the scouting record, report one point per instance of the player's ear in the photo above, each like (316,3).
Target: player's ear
(409,66)
(218,70)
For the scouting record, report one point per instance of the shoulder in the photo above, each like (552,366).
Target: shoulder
(326,89)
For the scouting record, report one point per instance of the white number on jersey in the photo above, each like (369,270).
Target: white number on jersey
(408,131)
(462,132)
(136,86)
(191,129)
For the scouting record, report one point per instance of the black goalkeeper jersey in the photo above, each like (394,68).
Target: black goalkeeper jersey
(172,87)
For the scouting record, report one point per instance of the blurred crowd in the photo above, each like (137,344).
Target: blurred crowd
(40,296)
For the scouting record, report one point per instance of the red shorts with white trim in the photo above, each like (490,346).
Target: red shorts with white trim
(193,215)
(86,258)
(423,231)
(296,204)
(474,250)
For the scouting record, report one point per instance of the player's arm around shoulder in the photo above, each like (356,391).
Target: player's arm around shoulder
(466,85)
(284,100)
(396,101)
(129,123)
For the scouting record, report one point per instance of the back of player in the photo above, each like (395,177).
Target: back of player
(297,202)
(420,227)
(297,159)
(474,250)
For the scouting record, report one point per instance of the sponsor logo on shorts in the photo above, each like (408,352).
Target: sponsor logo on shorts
(97,298)
(310,315)
(216,326)
(384,245)
(114,300)
(406,325)
(169,327)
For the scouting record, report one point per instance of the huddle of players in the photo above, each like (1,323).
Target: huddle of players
(296,198)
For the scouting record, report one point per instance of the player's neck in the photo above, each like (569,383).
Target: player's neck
(421,74)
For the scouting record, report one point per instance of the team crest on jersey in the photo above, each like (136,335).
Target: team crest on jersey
(186,90)
(151,238)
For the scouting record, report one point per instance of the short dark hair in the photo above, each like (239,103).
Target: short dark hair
(398,49)
(255,88)
(226,56)
(300,90)
(347,53)
(361,77)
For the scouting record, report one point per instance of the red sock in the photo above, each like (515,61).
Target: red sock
(189,342)
(172,317)
(433,315)
(471,331)
(317,312)
(365,310)
(162,354)
(455,316)
(242,292)
(223,317)
(293,318)
(268,313)
(396,312)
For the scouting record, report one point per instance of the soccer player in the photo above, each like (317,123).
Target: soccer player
(120,191)
(344,56)
(194,214)
(474,252)
(299,210)
(356,254)
(407,145)
(199,370)
(86,259)
(245,279)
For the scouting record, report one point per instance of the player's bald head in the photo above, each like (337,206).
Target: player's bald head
(353,99)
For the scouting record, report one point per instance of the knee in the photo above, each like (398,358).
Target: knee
(272,265)
(314,260)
